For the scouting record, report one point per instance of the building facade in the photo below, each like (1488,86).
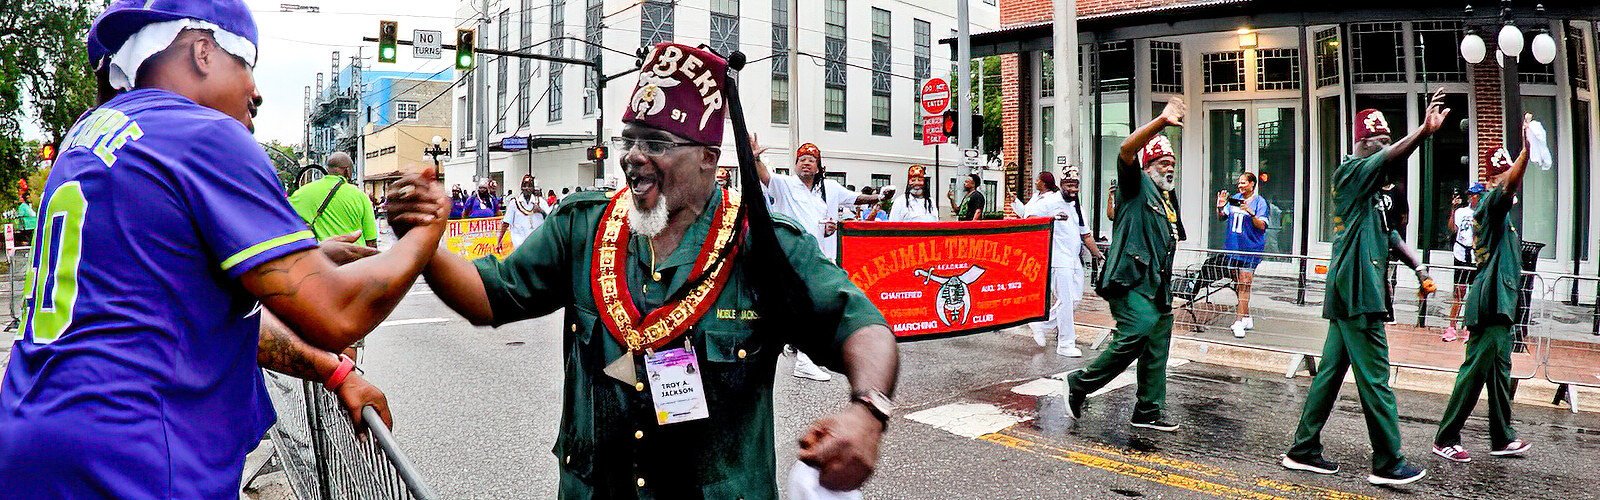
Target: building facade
(861,65)
(382,119)
(1272,90)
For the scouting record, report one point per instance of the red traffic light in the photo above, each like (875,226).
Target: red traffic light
(598,153)
(47,152)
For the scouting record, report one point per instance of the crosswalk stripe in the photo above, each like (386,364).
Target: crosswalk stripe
(967,419)
(1052,384)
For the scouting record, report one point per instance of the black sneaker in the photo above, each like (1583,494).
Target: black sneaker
(1075,399)
(1158,424)
(1315,464)
(1405,474)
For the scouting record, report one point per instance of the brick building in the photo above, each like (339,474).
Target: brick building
(1272,89)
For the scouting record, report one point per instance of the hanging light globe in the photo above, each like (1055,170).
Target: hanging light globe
(1544,48)
(1511,40)
(1473,48)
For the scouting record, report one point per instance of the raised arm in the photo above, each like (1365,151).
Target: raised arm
(333,306)
(1434,120)
(762,172)
(1513,182)
(1171,116)
(280,350)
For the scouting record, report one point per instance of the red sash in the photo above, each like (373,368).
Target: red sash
(609,283)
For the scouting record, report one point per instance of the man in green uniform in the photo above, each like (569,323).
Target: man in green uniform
(1491,310)
(671,338)
(332,206)
(1357,303)
(1137,280)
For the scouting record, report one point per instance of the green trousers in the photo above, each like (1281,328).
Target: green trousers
(1358,342)
(1144,334)
(1488,364)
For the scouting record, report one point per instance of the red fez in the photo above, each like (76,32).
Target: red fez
(1497,161)
(1154,150)
(917,171)
(1369,123)
(808,149)
(680,91)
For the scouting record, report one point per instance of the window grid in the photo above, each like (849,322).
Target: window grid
(525,67)
(1277,69)
(724,26)
(405,110)
(1166,67)
(1114,61)
(922,68)
(834,66)
(880,52)
(833,114)
(655,22)
(1437,55)
(1224,71)
(591,19)
(780,38)
(1327,57)
(558,27)
(502,72)
(1047,74)
(780,99)
(880,115)
(1577,59)
(1375,52)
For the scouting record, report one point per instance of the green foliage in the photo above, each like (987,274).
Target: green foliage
(44,82)
(283,162)
(990,108)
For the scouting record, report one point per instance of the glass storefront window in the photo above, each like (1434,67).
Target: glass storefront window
(1444,170)
(1277,162)
(1047,140)
(1331,145)
(1539,203)
(1115,125)
(1225,154)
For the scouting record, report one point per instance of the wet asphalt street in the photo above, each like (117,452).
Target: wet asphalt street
(478,411)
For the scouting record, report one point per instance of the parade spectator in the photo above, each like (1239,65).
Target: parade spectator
(27,220)
(550,198)
(1358,302)
(973,202)
(482,203)
(879,211)
(1461,224)
(458,202)
(1137,279)
(185,204)
(813,200)
(621,435)
(1245,217)
(1492,305)
(1069,237)
(333,205)
(524,214)
(565,192)
(1394,205)
(916,205)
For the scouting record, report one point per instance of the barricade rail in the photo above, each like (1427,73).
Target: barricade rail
(1554,335)
(323,456)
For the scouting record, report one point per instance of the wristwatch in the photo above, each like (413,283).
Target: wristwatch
(877,402)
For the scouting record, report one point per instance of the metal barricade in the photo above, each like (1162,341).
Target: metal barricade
(322,455)
(18,261)
(1569,327)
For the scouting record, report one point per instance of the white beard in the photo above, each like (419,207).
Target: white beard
(1162,181)
(648,224)
(915,192)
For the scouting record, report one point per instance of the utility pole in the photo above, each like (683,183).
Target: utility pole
(481,88)
(359,123)
(794,76)
(1066,84)
(964,75)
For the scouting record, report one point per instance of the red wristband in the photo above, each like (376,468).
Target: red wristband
(346,365)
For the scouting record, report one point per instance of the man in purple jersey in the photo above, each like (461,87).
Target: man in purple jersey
(135,372)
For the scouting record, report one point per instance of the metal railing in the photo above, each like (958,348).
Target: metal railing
(323,456)
(1554,335)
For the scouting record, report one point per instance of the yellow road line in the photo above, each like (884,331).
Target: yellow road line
(1128,469)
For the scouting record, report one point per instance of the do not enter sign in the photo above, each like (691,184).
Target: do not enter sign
(935,96)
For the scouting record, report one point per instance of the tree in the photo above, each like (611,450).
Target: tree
(45,80)
(991,109)
(283,162)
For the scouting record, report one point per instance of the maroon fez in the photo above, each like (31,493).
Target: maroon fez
(680,91)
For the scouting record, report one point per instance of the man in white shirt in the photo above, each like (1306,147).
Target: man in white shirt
(915,205)
(1068,240)
(524,214)
(814,201)
(1461,223)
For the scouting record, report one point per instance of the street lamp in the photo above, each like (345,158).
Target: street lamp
(436,151)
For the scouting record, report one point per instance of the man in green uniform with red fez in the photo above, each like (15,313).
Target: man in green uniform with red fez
(673,323)
(1491,312)
(1358,302)
(1137,279)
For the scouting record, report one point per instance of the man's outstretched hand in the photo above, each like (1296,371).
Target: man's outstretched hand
(343,249)
(1437,113)
(844,447)
(417,199)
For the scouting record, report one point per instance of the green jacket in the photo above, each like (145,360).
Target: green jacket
(1356,270)
(1493,296)
(1143,239)
(730,454)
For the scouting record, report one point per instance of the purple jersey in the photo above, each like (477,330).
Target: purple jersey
(134,374)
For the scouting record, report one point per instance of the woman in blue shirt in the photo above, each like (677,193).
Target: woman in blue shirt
(1245,214)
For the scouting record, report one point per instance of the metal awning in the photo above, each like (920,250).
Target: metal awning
(547,140)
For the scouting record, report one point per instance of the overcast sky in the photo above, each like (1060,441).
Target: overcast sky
(295,46)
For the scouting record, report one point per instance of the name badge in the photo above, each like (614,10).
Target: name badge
(675,385)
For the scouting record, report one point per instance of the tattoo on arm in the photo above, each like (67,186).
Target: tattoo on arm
(280,350)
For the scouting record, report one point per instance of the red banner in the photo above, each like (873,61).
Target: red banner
(941,279)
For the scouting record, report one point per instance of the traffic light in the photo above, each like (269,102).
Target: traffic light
(47,152)
(598,153)
(950,127)
(388,32)
(466,49)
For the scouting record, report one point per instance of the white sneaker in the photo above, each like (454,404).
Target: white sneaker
(1070,351)
(1249,323)
(1238,329)
(1039,336)
(804,368)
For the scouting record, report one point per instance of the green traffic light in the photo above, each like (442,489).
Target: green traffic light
(464,61)
(387,54)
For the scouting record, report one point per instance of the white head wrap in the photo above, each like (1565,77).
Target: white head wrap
(156,37)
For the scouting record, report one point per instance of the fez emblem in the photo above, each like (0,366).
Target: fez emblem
(954,300)
(650,99)
(1376,122)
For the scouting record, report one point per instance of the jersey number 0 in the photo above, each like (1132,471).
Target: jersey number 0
(52,286)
